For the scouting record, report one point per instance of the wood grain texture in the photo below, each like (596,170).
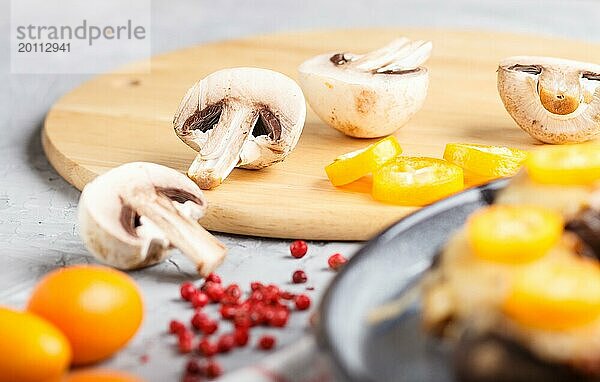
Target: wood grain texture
(118,118)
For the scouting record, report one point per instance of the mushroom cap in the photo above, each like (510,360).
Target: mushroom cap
(554,100)
(105,221)
(253,88)
(362,104)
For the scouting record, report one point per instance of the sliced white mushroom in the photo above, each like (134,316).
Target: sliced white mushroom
(132,215)
(245,117)
(370,95)
(552,99)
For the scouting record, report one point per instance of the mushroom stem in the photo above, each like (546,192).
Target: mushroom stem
(183,232)
(380,57)
(560,92)
(215,161)
(400,54)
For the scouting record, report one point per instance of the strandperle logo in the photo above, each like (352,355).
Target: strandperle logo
(91,36)
(83,31)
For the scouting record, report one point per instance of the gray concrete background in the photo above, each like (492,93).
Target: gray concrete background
(38,227)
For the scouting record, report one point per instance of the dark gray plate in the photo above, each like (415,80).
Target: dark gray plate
(385,268)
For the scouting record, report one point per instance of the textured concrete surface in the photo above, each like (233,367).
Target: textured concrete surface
(38,227)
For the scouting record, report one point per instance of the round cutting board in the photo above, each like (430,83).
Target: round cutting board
(118,118)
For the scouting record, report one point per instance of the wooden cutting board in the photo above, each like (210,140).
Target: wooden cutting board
(118,118)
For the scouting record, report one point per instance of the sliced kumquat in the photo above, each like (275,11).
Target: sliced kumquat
(416,181)
(513,234)
(565,165)
(556,295)
(354,165)
(485,162)
(472,179)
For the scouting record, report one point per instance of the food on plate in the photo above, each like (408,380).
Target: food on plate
(32,348)
(240,117)
(354,165)
(565,165)
(132,215)
(552,99)
(514,292)
(416,181)
(513,233)
(555,296)
(98,309)
(368,95)
(565,179)
(482,163)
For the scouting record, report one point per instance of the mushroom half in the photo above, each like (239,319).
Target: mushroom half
(132,215)
(552,99)
(369,95)
(244,117)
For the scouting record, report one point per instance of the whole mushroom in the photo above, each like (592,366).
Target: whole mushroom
(245,117)
(369,95)
(554,100)
(132,215)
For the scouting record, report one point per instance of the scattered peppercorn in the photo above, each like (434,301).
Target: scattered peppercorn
(266,305)
(279,317)
(302,302)
(199,320)
(214,291)
(193,367)
(241,336)
(207,348)
(209,326)
(191,378)
(176,327)
(213,277)
(199,300)
(298,248)
(213,369)
(226,343)
(266,342)
(232,294)
(187,290)
(299,277)
(185,341)
(336,261)
(228,311)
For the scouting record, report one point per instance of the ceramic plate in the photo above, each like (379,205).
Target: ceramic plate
(384,269)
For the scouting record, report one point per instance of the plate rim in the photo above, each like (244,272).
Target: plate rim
(324,341)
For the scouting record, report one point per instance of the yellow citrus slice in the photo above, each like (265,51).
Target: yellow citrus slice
(565,165)
(483,163)
(513,234)
(556,295)
(472,179)
(352,166)
(416,181)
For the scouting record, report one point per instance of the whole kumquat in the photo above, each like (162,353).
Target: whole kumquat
(99,309)
(31,348)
